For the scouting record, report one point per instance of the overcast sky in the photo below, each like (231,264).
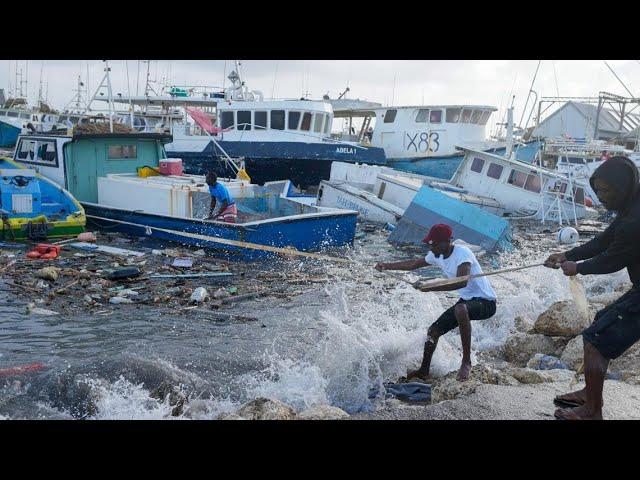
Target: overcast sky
(399,82)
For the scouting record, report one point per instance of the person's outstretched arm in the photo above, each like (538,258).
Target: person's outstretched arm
(403,265)
(593,247)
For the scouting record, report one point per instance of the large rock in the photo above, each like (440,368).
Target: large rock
(540,361)
(561,319)
(520,347)
(523,324)
(527,375)
(322,412)
(448,387)
(485,374)
(166,392)
(230,416)
(266,409)
(573,353)
(628,362)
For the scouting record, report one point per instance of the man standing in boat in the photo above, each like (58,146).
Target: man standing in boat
(477,298)
(616,327)
(228,211)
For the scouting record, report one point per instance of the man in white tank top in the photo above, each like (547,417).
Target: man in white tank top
(477,298)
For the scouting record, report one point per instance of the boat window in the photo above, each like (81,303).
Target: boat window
(423,115)
(317,125)
(533,183)
(47,153)
(475,116)
(25,115)
(277,119)
(306,122)
(226,120)
(495,171)
(244,120)
(453,115)
(517,178)
(579,196)
(485,117)
(26,150)
(122,151)
(74,120)
(327,125)
(466,115)
(435,116)
(62,118)
(477,165)
(12,114)
(294,120)
(390,116)
(260,120)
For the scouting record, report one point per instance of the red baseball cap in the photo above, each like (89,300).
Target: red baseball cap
(440,232)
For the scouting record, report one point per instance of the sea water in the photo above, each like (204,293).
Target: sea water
(331,345)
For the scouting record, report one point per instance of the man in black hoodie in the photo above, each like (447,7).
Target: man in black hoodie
(616,327)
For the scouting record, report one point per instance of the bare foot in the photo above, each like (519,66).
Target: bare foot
(463,373)
(572,399)
(578,413)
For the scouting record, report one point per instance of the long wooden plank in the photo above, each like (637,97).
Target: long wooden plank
(235,243)
(451,281)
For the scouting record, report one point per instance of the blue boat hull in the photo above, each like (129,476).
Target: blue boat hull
(305,233)
(445,167)
(8,135)
(305,164)
(469,223)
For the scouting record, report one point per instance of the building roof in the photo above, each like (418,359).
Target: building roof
(608,120)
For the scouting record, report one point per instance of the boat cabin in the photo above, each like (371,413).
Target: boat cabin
(523,189)
(418,131)
(268,121)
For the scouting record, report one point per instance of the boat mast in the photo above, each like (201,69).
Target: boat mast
(106,82)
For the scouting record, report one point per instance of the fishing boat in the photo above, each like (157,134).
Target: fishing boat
(109,175)
(423,139)
(34,207)
(580,159)
(382,194)
(409,204)
(523,190)
(276,139)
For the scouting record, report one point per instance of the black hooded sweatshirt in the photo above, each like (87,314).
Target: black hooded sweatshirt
(619,245)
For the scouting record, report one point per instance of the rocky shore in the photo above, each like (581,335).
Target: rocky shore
(515,382)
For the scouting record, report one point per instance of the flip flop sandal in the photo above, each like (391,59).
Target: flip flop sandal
(565,414)
(558,402)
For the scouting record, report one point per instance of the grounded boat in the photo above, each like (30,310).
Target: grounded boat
(580,159)
(414,203)
(34,207)
(105,172)
(523,190)
(423,139)
(382,194)
(276,139)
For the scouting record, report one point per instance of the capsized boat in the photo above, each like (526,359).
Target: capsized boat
(382,194)
(108,173)
(34,207)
